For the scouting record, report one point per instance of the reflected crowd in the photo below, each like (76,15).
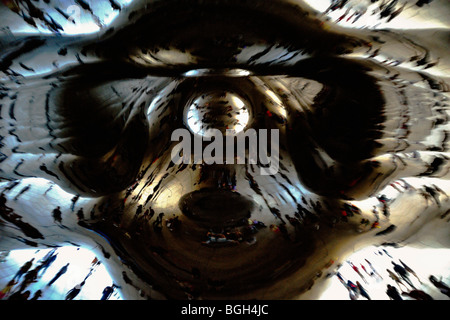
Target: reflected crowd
(399,280)
(29,283)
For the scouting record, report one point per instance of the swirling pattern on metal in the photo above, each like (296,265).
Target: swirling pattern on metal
(91,92)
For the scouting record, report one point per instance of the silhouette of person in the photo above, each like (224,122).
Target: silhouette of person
(58,274)
(374,271)
(24,269)
(20,295)
(397,280)
(74,201)
(402,273)
(80,214)
(418,295)
(37,295)
(29,278)
(362,291)
(355,268)
(157,224)
(407,268)
(47,262)
(44,168)
(107,292)
(22,192)
(393,293)
(74,291)
(440,285)
(353,287)
(57,214)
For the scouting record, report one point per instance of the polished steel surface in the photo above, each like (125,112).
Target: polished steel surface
(219,110)
(91,93)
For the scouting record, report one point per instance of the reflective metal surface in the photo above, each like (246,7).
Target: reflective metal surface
(91,95)
(220,110)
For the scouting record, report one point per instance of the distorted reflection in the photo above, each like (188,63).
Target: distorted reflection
(348,98)
(218,110)
(58,272)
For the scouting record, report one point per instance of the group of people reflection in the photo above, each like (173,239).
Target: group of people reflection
(236,235)
(388,10)
(248,228)
(399,282)
(18,288)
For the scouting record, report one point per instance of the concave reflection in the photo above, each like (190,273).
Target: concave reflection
(225,111)
(359,112)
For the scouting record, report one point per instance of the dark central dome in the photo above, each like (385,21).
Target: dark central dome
(216,208)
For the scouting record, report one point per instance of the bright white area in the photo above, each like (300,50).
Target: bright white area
(80,266)
(425,17)
(424,262)
(80,21)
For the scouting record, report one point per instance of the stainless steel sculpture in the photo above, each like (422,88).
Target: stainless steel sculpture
(357,109)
